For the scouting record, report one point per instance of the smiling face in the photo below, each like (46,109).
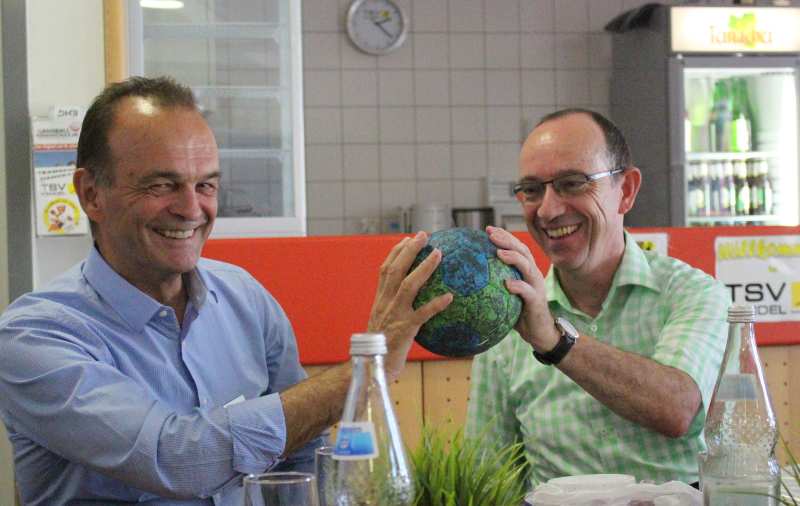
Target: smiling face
(152,221)
(582,233)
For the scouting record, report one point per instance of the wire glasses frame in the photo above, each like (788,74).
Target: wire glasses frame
(568,185)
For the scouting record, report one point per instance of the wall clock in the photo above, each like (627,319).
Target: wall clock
(376,26)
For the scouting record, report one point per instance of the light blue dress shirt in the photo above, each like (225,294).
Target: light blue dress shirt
(108,400)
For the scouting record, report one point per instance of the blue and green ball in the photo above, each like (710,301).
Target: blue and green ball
(483,311)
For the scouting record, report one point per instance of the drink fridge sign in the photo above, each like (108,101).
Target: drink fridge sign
(763,271)
(55,138)
(735,29)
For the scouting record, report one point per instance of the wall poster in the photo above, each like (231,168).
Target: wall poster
(652,241)
(763,271)
(55,139)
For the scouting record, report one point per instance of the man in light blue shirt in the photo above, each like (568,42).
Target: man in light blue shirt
(147,373)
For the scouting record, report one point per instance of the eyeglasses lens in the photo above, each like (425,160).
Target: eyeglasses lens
(567,186)
(574,184)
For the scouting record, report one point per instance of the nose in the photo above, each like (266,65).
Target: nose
(551,205)
(186,204)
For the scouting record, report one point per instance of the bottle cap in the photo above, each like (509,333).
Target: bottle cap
(741,313)
(367,344)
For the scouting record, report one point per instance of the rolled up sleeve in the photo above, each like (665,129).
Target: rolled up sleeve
(258,430)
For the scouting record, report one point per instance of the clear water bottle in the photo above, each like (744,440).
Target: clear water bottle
(740,468)
(370,463)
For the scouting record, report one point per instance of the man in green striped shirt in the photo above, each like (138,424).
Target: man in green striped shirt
(614,358)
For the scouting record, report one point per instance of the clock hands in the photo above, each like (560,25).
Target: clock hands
(366,18)
(380,23)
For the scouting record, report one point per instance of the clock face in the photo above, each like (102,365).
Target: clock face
(376,26)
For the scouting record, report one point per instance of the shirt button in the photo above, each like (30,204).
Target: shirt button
(162,313)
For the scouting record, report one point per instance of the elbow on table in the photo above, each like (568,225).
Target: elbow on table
(678,411)
(676,428)
(677,423)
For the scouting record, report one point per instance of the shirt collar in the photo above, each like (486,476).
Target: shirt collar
(133,305)
(633,270)
(198,287)
(635,267)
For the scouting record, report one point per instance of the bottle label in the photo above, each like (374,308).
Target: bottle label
(737,387)
(355,441)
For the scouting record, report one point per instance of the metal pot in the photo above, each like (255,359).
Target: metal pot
(431,217)
(473,217)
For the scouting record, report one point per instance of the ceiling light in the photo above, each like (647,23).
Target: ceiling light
(161,4)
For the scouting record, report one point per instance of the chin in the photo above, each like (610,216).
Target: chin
(182,265)
(567,262)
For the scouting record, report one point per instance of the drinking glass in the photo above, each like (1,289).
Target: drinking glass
(325,473)
(702,458)
(280,489)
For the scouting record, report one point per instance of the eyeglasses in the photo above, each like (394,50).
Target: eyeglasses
(568,185)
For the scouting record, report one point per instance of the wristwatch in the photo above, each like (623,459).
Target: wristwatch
(568,337)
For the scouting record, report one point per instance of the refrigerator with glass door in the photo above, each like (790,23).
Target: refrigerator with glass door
(708,100)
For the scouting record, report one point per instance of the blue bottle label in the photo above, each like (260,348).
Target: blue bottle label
(355,441)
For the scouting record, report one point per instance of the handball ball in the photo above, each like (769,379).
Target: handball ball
(483,311)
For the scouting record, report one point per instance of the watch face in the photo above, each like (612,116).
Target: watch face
(376,26)
(568,327)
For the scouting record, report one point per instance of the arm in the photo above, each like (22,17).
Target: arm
(70,400)
(315,404)
(670,386)
(663,392)
(659,397)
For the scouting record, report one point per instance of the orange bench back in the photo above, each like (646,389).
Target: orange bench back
(326,284)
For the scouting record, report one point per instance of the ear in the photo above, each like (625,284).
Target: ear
(90,198)
(631,181)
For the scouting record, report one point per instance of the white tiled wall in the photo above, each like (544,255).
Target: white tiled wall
(429,122)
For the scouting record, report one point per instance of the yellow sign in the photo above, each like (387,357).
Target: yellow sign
(735,29)
(57,206)
(766,247)
(796,295)
(656,241)
(61,216)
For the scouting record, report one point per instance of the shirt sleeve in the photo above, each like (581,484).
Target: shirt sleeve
(259,436)
(83,409)
(284,369)
(694,335)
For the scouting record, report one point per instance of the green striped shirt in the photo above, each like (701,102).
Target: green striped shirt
(657,307)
